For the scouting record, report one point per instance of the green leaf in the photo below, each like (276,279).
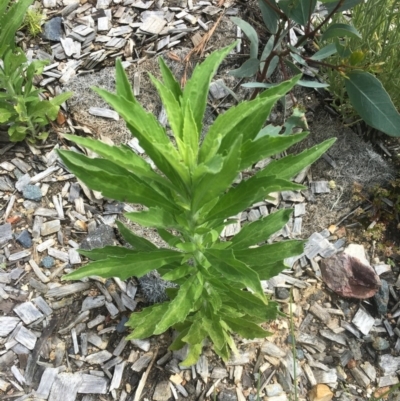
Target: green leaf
(196,89)
(325,52)
(109,251)
(245,328)
(246,194)
(60,99)
(170,239)
(5,115)
(267,49)
(138,243)
(122,84)
(270,253)
(287,167)
(212,185)
(267,271)
(137,265)
(169,80)
(225,263)
(298,10)
(312,84)
(215,332)
(146,321)
(193,355)
(339,30)
(114,181)
(190,137)
(152,138)
(156,217)
(270,16)
(251,34)
(247,69)
(180,306)
(196,333)
(261,148)
(260,230)
(345,5)
(179,272)
(372,102)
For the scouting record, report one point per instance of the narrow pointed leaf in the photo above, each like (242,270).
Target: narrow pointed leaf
(156,217)
(245,328)
(289,166)
(193,355)
(123,86)
(215,332)
(346,4)
(131,265)
(196,89)
(247,69)
(169,80)
(138,243)
(325,52)
(298,10)
(260,230)
(181,305)
(231,268)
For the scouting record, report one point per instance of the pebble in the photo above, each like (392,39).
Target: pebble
(102,236)
(282,293)
(32,192)
(47,262)
(52,29)
(300,354)
(121,328)
(227,395)
(25,239)
(380,344)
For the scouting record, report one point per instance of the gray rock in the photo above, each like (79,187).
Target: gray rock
(52,29)
(32,192)
(102,236)
(25,239)
(282,293)
(227,395)
(380,344)
(47,262)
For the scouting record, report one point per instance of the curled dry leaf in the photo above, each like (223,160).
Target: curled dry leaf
(349,277)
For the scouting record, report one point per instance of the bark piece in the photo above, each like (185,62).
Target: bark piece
(65,387)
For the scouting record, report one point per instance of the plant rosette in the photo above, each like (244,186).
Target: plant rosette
(189,198)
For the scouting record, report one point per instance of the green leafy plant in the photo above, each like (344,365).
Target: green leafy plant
(189,198)
(377,51)
(11,17)
(33,21)
(20,104)
(284,48)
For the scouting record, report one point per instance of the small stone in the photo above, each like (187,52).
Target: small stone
(273,390)
(227,395)
(282,293)
(380,344)
(52,29)
(99,238)
(47,262)
(32,192)
(25,239)
(320,392)
(300,354)
(381,298)
(121,328)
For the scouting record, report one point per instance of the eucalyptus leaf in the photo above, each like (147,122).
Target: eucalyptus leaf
(247,69)
(340,30)
(270,16)
(251,33)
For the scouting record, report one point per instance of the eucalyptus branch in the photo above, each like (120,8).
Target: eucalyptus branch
(276,9)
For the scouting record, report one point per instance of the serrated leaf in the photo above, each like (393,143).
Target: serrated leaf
(179,272)
(4,115)
(247,69)
(196,333)
(251,34)
(287,167)
(267,271)
(340,30)
(214,331)
(232,269)
(260,230)
(156,217)
(193,355)
(269,253)
(269,15)
(245,328)
(181,305)
(137,264)
(372,102)
(196,89)
(169,80)
(138,243)
(267,49)
(122,84)
(145,322)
